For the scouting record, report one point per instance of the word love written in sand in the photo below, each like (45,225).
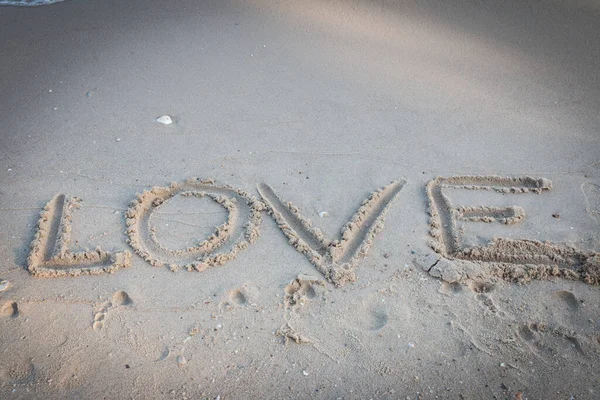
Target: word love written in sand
(335,258)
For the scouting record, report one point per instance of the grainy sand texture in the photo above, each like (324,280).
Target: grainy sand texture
(300,199)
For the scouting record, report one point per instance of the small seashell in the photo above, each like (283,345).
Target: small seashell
(304,373)
(181,361)
(4,285)
(165,120)
(323,214)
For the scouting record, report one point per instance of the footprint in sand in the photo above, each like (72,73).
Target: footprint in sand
(533,336)
(567,298)
(526,333)
(575,343)
(301,289)
(237,297)
(450,289)
(9,310)
(246,295)
(377,319)
(119,298)
(547,342)
(488,303)
(373,316)
(482,291)
(482,287)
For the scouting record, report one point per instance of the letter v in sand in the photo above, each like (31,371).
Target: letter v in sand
(335,259)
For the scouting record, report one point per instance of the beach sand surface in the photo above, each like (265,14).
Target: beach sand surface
(354,200)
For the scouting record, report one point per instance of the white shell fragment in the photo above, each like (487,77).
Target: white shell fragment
(181,361)
(4,285)
(323,214)
(165,120)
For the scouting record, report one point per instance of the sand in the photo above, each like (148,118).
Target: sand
(354,200)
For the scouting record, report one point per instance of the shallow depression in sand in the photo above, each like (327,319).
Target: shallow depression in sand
(185,221)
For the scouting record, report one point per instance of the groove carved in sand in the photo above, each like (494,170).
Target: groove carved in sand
(335,259)
(543,259)
(591,194)
(50,255)
(239,230)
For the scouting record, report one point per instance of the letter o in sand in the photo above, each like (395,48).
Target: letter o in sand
(239,230)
